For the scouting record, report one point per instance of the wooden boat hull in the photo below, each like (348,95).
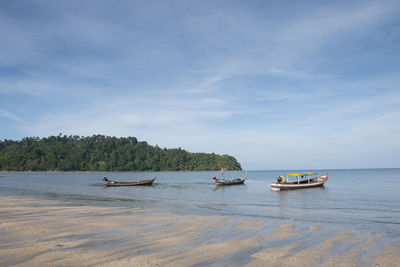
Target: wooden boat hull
(230,182)
(136,183)
(314,182)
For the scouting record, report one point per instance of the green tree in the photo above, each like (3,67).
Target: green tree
(103,153)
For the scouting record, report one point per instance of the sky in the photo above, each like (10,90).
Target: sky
(276,84)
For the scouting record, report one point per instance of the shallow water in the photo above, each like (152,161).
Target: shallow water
(366,199)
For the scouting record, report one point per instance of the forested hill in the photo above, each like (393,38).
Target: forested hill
(103,153)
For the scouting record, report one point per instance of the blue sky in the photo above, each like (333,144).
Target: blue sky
(277,84)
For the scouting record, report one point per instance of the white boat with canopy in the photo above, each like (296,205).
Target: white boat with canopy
(303,180)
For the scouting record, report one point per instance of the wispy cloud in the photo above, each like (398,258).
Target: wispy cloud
(207,85)
(9,115)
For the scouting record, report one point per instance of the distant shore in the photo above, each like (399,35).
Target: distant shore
(115,171)
(56,233)
(149,171)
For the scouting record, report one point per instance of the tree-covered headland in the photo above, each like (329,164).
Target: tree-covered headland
(103,153)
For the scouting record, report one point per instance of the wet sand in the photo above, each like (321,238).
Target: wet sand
(36,232)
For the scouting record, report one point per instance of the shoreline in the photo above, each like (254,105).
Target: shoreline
(113,171)
(286,170)
(55,233)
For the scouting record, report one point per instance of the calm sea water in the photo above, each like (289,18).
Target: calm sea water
(365,199)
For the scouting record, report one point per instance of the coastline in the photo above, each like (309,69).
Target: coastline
(161,171)
(56,233)
(217,170)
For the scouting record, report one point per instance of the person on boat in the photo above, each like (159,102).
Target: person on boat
(281,179)
(222,174)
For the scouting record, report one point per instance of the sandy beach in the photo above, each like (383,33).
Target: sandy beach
(37,232)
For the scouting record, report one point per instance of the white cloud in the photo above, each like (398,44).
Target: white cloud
(263,87)
(207,85)
(10,115)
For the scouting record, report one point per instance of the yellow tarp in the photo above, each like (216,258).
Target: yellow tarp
(302,174)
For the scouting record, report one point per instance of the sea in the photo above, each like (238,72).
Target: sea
(358,199)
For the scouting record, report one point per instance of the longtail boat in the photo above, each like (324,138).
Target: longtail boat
(141,182)
(223,181)
(230,182)
(304,180)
